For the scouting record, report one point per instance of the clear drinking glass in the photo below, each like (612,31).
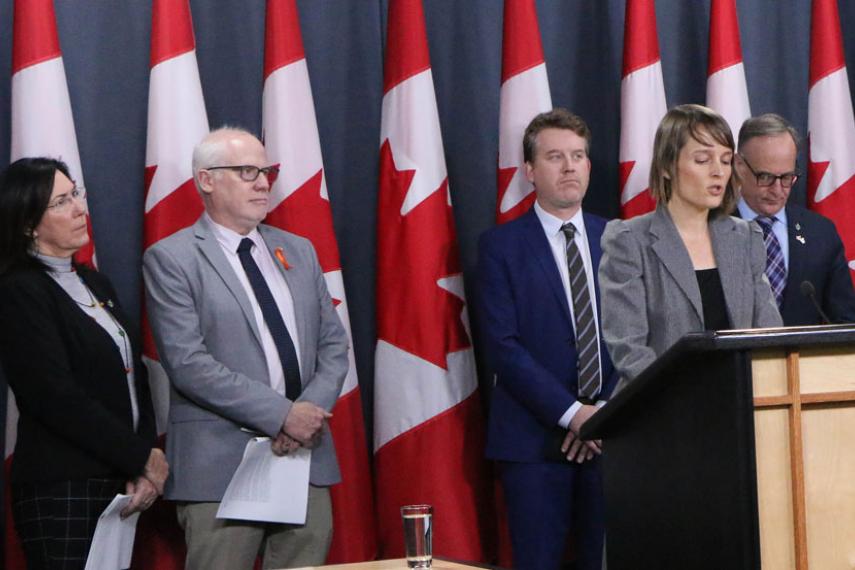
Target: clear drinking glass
(418,532)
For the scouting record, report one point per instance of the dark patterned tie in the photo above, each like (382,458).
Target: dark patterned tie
(587,348)
(776,271)
(273,318)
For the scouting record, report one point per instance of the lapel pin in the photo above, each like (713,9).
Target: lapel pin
(798,227)
(801,239)
(280,255)
(110,303)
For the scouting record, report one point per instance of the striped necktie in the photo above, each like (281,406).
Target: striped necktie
(776,271)
(587,347)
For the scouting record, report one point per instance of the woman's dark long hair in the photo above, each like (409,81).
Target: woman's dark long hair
(25,190)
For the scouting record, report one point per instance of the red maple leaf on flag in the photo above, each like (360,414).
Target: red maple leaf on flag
(181,208)
(85,255)
(415,251)
(306,213)
(841,200)
(625,171)
(505,177)
(642,202)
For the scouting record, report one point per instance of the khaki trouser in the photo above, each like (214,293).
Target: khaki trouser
(216,544)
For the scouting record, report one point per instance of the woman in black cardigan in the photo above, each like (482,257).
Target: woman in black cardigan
(86,429)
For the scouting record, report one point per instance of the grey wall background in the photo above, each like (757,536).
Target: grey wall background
(106,52)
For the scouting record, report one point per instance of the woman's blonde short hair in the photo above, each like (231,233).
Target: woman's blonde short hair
(684,121)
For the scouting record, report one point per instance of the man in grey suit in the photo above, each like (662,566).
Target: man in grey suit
(248,335)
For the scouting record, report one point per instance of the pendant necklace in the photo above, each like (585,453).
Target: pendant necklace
(125,349)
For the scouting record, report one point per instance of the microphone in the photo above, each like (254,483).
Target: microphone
(809,291)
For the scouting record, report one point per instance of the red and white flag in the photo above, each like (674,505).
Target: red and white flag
(42,122)
(727,91)
(642,106)
(300,204)
(428,432)
(42,125)
(831,127)
(524,94)
(176,123)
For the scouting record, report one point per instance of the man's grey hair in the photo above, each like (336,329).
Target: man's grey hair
(211,149)
(766,125)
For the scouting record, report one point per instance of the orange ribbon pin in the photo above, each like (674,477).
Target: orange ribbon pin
(280,255)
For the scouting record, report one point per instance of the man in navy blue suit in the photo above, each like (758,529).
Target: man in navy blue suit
(540,315)
(810,248)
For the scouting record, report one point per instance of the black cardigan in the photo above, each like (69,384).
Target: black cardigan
(70,383)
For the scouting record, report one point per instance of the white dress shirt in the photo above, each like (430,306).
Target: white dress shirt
(229,241)
(558,244)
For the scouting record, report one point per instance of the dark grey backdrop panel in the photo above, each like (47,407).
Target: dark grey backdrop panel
(107,71)
(106,49)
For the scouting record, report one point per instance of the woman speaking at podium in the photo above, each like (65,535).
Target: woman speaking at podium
(687,266)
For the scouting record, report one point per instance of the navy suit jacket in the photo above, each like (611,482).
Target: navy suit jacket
(529,337)
(816,255)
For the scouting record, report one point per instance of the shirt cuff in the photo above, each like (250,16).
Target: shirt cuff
(564,420)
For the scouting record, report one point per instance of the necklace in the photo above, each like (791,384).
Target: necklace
(124,349)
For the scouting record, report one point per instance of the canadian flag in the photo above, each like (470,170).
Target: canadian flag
(831,127)
(300,204)
(428,432)
(524,94)
(42,125)
(727,91)
(176,123)
(642,106)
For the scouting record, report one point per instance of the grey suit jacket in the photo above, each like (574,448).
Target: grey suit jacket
(649,292)
(209,344)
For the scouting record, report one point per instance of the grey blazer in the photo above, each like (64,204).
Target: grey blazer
(649,292)
(209,344)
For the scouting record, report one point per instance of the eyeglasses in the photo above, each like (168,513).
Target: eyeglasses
(63,203)
(768,179)
(249,173)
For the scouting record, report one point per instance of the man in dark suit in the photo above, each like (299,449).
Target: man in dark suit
(802,246)
(540,314)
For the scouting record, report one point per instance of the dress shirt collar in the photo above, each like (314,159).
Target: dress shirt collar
(552,224)
(230,239)
(749,214)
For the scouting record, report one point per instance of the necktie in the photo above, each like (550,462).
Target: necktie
(587,348)
(775,269)
(273,318)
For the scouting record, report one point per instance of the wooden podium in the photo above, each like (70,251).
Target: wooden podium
(735,450)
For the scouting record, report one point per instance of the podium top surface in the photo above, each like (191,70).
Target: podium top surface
(780,337)
(718,341)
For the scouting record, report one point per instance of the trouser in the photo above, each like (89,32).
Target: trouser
(217,544)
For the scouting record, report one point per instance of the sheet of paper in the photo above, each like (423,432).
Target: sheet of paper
(113,543)
(268,488)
